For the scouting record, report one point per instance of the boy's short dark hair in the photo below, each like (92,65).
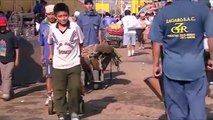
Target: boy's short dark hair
(107,14)
(127,12)
(61,7)
(88,1)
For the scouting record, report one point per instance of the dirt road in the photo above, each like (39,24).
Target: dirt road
(128,97)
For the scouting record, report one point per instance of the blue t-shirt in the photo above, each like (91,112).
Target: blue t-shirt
(108,21)
(43,37)
(39,8)
(180,27)
(90,24)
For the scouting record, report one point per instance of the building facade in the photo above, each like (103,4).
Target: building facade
(27,5)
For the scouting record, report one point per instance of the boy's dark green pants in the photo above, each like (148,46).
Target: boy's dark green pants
(66,80)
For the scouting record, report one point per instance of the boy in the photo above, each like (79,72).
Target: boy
(66,38)
(9,53)
(43,35)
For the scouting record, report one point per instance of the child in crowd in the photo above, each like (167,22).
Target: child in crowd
(43,35)
(9,57)
(66,39)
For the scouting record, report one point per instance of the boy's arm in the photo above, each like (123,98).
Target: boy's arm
(99,36)
(41,49)
(99,31)
(156,36)
(156,57)
(17,57)
(16,47)
(41,41)
(50,42)
(42,54)
(50,52)
(209,34)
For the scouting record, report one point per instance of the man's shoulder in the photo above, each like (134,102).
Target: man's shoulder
(133,17)
(97,15)
(82,14)
(194,6)
(124,18)
(43,25)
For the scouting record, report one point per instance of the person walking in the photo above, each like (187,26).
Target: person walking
(129,38)
(91,26)
(43,37)
(180,29)
(139,31)
(65,39)
(9,58)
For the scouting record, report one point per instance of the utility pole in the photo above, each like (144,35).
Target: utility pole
(121,7)
(116,2)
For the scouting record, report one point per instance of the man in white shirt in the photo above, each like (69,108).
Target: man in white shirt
(129,38)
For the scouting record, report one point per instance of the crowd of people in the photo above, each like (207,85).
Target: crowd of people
(135,27)
(175,29)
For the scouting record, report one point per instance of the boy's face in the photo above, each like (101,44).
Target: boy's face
(89,6)
(51,17)
(62,17)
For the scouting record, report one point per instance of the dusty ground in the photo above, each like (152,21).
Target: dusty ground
(128,98)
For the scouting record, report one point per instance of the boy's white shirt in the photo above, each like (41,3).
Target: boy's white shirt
(66,46)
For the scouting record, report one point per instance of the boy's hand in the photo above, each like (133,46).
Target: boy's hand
(16,63)
(157,70)
(50,58)
(210,65)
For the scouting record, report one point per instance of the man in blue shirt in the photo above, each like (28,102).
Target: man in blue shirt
(38,8)
(108,20)
(90,24)
(180,29)
(43,36)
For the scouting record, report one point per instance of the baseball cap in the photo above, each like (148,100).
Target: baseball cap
(76,13)
(49,8)
(3,22)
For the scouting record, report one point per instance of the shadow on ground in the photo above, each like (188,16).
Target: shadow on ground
(110,80)
(29,90)
(29,70)
(141,53)
(5,118)
(94,107)
(114,80)
(11,118)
